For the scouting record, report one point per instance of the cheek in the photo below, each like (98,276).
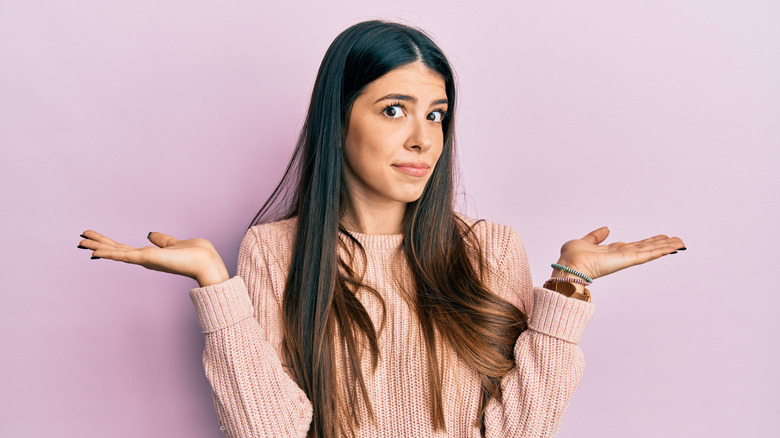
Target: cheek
(362,155)
(354,149)
(369,148)
(439,146)
(352,144)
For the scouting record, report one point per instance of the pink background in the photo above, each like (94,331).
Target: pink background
(133,116)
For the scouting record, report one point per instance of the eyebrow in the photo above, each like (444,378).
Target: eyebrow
(407,98)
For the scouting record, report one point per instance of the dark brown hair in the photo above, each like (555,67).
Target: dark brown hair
(320,310)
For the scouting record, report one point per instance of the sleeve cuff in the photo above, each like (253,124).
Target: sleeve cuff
(558,316)
(222,304)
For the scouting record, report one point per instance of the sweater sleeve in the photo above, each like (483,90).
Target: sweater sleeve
(253,394)
(549,363)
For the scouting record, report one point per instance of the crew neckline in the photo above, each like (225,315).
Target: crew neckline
(378,241)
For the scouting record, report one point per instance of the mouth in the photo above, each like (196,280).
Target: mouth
(414,169)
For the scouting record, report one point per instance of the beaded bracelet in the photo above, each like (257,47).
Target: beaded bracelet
(572,271)
(571,280)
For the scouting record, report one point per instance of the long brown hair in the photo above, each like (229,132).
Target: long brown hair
(320,310)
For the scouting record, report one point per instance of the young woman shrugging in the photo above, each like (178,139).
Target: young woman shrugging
(364,305)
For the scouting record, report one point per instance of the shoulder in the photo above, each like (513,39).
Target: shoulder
(283,230)
(497,241)
(508,274)
(271,240)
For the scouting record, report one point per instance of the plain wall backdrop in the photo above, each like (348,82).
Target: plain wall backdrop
(135,116)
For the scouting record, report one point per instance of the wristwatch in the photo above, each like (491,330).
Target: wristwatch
(567,289)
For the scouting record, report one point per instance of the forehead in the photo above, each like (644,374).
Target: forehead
(412,79)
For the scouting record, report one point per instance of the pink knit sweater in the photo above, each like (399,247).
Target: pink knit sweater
(255,397)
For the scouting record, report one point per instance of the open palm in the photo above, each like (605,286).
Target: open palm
(587,256)
(195,258)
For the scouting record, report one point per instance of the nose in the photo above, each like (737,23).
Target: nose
(420,135)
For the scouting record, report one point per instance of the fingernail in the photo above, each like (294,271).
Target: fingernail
(81,247)
(674,252)
(95,258)
(147,236)
(83,236)
(682,249)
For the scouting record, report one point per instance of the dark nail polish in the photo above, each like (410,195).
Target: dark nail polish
(95,258)
(682,249)
(147,236)
(83,236)
(674,252)
(81,247)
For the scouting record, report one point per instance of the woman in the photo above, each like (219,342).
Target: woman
(372,308)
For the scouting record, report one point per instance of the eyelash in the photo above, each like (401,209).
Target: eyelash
(441,111)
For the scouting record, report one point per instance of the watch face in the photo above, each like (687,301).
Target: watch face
(567,289)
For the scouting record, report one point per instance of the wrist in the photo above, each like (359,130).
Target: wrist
(557,273)
(567,269)
(214,275)
(568,280)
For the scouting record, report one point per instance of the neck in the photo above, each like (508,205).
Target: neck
(376,219)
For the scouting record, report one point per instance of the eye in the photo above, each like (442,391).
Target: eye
(393,111)
(436,116)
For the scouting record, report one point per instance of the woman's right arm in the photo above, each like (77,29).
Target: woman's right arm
(252,393)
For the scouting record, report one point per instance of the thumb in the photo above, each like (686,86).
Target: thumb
(161,240)
(597,236)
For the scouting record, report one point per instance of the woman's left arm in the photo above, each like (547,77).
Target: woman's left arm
(549,362)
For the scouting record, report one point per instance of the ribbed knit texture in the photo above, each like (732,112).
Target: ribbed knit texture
(255,397)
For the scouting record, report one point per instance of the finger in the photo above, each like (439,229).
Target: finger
(119,255)
(597,236)
(670,246)
(652,254)
(102,243)
(133,256)
(649,243)
(675,244)
(93,245)
(659,241)
(161,240)
(658,238)
(97,237)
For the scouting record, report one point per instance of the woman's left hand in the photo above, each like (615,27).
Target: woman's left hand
(588,257)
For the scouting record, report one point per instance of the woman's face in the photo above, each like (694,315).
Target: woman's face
(395,136)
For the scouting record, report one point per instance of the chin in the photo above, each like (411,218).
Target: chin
(411,197)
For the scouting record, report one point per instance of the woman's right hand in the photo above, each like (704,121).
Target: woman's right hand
(194,258)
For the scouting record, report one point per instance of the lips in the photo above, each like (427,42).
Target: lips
(414,169)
